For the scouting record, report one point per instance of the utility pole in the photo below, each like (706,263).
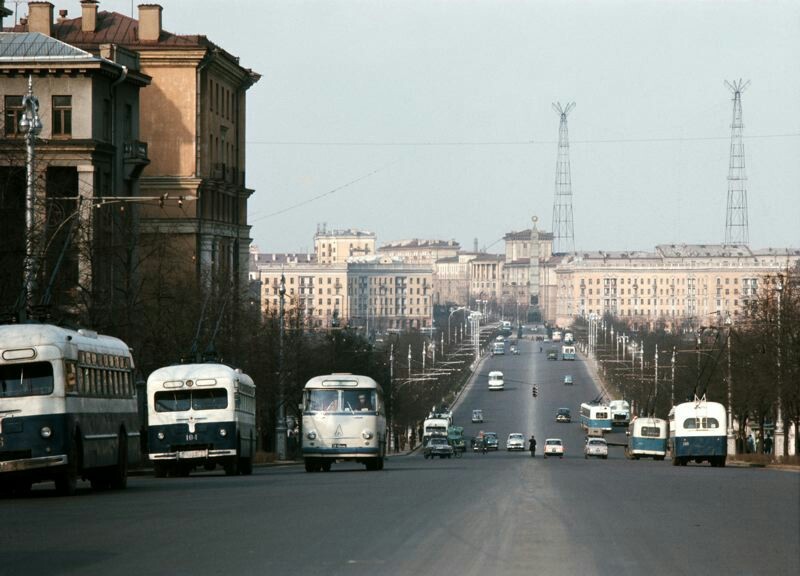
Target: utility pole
(655,393)
(731,441)
(31,126)
(280,425)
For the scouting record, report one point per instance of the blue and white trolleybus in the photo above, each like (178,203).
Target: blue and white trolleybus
(697,432)
(596,416)
(200,415)
(68,408)
(647,437)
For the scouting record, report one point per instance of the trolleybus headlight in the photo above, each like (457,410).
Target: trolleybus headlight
(311,435)
(223,432)
(46,432)
(160,435)
(367,434)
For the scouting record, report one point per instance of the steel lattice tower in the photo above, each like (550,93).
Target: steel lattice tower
(563,233)
(736,230)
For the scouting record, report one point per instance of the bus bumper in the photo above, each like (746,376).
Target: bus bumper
(25,464)
(191,455)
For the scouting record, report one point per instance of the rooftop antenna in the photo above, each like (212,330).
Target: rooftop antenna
(736,229)
(563,233)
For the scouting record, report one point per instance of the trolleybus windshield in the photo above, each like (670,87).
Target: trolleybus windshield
(182,400)
(33,379)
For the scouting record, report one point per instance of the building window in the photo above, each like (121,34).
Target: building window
(12,113)
(62,115)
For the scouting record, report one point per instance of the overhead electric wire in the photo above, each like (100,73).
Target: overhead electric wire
(512,142)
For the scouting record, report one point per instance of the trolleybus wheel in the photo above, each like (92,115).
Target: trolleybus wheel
(231,466)
(67,480)
(160,470)
(326,466)
(118,475)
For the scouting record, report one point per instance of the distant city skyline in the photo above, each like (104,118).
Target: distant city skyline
(432,119)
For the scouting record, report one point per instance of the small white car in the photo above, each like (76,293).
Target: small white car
(596,447)
(477,415)
(516,441)
(553,447)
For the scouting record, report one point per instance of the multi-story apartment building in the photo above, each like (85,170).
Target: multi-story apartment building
(417,251)
(676,285)
(486,277)
(195,130)
(387,293)
(88,159)
(316,293)
(345,283)
(451,280)
(337,246)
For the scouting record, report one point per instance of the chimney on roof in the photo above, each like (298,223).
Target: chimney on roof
(149,22)
(40,17)
(88,16)
(62,15)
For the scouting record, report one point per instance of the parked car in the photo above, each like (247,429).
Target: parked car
(596,447)
(563,415)
(477,416)
(553,447)
(437,446)
(516,441)
(568,380)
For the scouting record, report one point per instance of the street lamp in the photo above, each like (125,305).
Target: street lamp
(452,311)
(731,442)
(31,126)
(779,444)
(280,425)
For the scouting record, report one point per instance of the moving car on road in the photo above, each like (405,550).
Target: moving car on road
(437,446)
(491,440)
(553,447)
(516,441)
(568,381)
(563,415)
(477,416)
(552,354)
(596,447)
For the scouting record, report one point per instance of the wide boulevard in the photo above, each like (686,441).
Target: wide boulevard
(483,514)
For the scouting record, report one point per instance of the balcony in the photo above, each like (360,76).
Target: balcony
(134,158)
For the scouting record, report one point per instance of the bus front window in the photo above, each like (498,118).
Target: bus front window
(30,379)
(323,400)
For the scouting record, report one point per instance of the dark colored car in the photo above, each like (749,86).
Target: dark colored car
(437,446)
(563,415)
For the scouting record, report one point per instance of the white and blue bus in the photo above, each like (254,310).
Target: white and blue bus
(595,416)
(68,408)
(343,419)
(201,415)
(647,437)
(697,432)
(568,352)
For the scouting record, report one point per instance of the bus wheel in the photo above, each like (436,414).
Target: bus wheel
(245,464)
(232,466)
(67,480)
(311,466)
(325,466)
(118,476)
(160,470)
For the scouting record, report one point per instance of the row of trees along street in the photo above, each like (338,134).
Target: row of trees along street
(757,352)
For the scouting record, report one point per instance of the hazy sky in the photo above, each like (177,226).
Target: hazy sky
(433,118)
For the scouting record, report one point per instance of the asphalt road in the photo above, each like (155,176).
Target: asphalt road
(484,514)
